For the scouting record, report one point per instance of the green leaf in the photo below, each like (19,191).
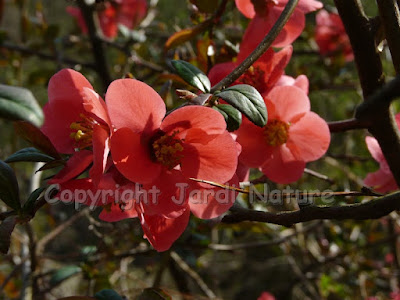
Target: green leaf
(6,229)
(29,154)
(9,193)
(64,273)
(108,295)
(18,103)
(29,205)
(233,117)
(153,294)
(247,100)
(192,75)
(33,135)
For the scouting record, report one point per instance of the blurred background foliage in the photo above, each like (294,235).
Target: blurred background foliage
(81,255)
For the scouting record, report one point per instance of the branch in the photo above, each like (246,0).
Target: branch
(361,33)
(28,51)
(389,12)
(373,209)
(97,44)
(345,125)
(261,48)
(375,111)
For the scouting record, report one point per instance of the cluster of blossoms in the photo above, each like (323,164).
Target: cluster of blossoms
(126,12)
(128,142)
(293,135)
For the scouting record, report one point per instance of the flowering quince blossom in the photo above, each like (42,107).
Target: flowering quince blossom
(266,296)
(331,37)
(148,151)
(262,75)
(382,180)
(264,14)
(190,142)
(77,123)
(292,137)
(126,12)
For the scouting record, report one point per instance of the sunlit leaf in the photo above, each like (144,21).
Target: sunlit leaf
(192,75)
(248,101)
(233,117)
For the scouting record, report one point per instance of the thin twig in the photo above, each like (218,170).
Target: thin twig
(28,51)
(196,277)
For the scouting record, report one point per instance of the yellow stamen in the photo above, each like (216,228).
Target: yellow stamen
(276,132)
(167,150)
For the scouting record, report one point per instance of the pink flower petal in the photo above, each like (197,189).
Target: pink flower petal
(74,166)
(162,232)
(100,153)
(135,105)
(255,150)
(282,167)
(300,82)
(290,103)
(309,138)
(246,8)
(166,196)
(381,181)
(115,214)
(215,161)
(93,104)
(190,117)
(208,202)
(219,71)
(375,149)
(132,157)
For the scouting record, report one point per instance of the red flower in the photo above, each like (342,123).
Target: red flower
(262,75)
(76,122)
(126,12)
(293,136)
(266,296)
(190,142)
(264,14)
(381,180)
(331,36)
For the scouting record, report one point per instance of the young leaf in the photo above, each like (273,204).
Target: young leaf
(108,294)
(64,273)
(192,75)
(247,100)
(185,35)
(18,103)
(9,193)
(29,154)
(6,229)
(29,205)
(233,117)
(33,135)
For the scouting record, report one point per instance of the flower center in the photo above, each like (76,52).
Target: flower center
(167,150)
(254,76)
(276,132)
(82,131)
